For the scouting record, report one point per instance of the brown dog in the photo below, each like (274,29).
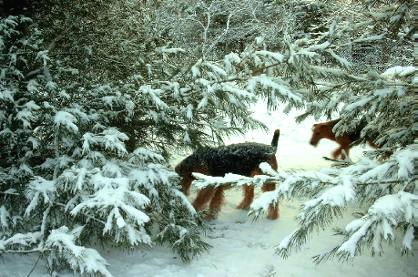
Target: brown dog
(324,130)
(243,159)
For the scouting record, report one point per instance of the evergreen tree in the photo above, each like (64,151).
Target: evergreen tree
(67,178)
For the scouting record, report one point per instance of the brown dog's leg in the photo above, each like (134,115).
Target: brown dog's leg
(186,183)
(339,153)
(215,203)
(248,197)
(202,198)
(345,153)
(336,154)
(248,192)
(273,212)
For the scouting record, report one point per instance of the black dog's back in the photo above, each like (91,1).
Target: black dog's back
(241,158)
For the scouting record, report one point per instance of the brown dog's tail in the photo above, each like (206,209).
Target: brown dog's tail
(275,139)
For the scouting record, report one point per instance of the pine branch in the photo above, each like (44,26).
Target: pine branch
(9,193)
(29,251)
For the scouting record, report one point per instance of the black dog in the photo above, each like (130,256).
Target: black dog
(242,158)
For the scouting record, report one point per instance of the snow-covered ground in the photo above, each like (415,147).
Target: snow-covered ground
(241,248)
(244,248)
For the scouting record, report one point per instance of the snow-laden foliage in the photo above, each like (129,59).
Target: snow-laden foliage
(84,135)
(361,71)
(395,203)
(91,108)
(65,164)
(84,153)
(79,258)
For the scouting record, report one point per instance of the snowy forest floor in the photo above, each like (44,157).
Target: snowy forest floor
(241,248)
(244,248)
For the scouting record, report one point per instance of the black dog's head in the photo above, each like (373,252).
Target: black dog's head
(183,167)
(193,163)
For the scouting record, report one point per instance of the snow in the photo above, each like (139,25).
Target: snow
(154,96)
(117,202)
(230,60)
(350,246)
(263,201)
(170,50)
(401,71)
(195,69)
(114,192)
(387,211)
(276,86)
(25,116)
(37,187)
(241,248)
(321,46)
(84,260)
(43,56)
(214,68)
(376,173)
(186,138)
(184,199)
(275,56)
(189,112)
(4,215)
(370,38)
(237,91)
(244,248)
(360,103)
(408,238)
(336,196)
(406,159)
(146,154)
(67,120)
(396,207)
(111,138)
(21,239)
(354,225)
(340,59)
(204,180)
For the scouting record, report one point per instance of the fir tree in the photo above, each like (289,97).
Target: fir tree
(67,178)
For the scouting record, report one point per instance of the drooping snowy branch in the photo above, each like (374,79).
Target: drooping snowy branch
(383,217)
(331,190)
(84,260)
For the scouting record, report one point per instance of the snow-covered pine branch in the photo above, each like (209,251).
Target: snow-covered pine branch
(388,213)
(332,190)
(61,245)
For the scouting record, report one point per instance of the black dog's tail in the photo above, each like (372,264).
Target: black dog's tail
(275,139)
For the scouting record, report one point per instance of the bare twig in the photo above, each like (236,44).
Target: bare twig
(34,266)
